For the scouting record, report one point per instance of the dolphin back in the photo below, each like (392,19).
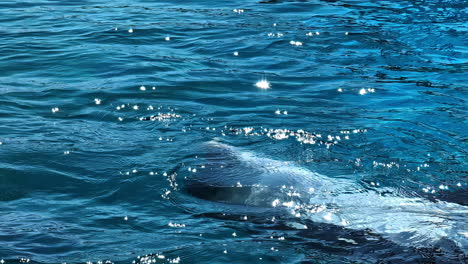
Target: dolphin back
(236,176)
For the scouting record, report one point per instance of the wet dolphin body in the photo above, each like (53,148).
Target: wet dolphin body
(242,178)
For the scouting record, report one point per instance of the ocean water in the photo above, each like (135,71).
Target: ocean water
(106,106)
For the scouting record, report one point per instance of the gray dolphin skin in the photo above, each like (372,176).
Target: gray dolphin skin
(240,177)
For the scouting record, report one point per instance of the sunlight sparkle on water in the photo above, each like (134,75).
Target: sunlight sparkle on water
(263,84)
(175,225)
(275,203)
(364,91)
(297,43)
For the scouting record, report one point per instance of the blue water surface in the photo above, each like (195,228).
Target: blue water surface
(104,106)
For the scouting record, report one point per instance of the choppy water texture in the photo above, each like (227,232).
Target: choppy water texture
(104,106)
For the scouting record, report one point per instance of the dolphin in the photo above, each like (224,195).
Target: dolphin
(241,178)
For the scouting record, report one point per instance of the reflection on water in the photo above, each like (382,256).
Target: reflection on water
(104,107)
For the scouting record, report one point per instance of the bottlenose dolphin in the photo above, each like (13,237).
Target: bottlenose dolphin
(239,177)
